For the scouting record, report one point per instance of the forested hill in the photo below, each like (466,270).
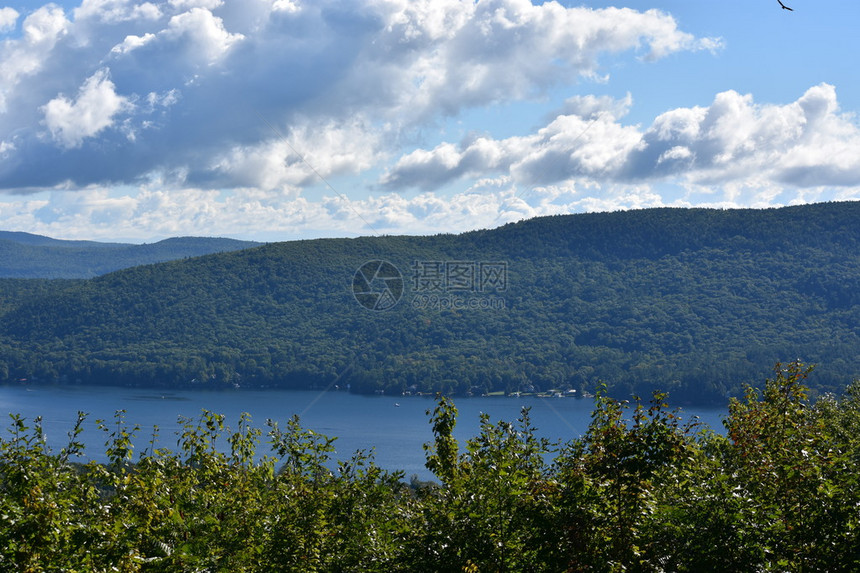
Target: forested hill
(692,301)
(24,255)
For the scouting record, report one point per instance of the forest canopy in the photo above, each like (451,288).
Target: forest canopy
(691,301)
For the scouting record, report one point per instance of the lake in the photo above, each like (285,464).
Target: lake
(394,426)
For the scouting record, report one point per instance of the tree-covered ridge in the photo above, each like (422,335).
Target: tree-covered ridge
(693,301)
(23,255)
(639,491)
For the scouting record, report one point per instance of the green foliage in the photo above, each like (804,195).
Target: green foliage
(197,509)
(641,490)
(489,513)
(615,482)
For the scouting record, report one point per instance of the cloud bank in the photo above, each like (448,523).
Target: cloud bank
(394,65)
(147,119)
(807,143)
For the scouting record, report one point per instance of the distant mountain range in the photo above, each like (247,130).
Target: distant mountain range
(24,255)
(697,302)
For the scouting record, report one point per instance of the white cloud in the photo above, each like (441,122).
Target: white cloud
(303,155)
(352,84)
(70,122)
(8,19)
(152,212)
(288,6)
(807,143)
(399,65)
(204,32)
(43,27)
(116,11)
(591,106)
(165,99)
(188,4)
(147,214)
(679,152)
(27,55)
(569,146)
(132,42)
(459,54)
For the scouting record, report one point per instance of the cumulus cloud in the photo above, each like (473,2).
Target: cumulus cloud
(132,42)
(806,143)
(593,145)
(8,19)
(305,154)
(116,11)
(215,115)
(285,6)
(205,34)
(70,122)
(591,106)
(397,64)
(464,53)
(27,55)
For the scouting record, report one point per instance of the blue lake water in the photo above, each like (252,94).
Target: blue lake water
(393,427)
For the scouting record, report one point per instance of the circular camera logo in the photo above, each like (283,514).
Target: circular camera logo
(377,285)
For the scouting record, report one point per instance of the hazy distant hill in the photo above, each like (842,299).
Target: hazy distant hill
(693,301)
(42,241)
(24,255)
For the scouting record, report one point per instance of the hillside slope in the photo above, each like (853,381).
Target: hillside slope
(693,301)
(24,255)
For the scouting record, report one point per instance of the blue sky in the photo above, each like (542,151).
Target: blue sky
(286,119)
